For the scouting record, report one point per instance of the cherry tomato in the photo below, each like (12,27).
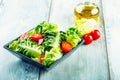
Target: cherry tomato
(36,37)
(66,47)
(24,36)
(41,58)
(88,39)
(95,34)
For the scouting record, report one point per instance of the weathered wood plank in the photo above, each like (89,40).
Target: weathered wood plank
(112,23)
(89,62)
(17,17)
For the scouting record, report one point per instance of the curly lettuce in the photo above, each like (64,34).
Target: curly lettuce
(72,36)
(85,26)
(27,47)
(46,27)
(52,42)
(14,45)
(53,55)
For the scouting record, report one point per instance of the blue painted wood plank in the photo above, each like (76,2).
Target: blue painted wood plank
(112,22)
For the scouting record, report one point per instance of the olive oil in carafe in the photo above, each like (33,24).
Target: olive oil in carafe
(89,11)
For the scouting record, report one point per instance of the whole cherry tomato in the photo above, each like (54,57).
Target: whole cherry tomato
(95,34)
(88,39)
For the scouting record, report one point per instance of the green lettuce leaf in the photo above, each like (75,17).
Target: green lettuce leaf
(52,45)
(46,27)
(72,36)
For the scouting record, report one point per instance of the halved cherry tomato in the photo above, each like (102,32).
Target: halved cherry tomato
(88,39)
(66,46)
(36,37)
(41,58)
(95,34)
(24,36)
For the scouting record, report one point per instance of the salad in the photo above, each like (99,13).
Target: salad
(45,44)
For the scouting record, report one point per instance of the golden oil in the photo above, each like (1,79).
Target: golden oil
(89,10)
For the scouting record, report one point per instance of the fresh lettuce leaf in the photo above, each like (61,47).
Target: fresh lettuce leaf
(53,39)
(46,27)
(72,36)
(84,26)
(30,48)
(52,56)
(52,42)
(14,45)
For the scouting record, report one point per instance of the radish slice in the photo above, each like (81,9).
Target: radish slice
(46,52)
(40,41)
(24,36)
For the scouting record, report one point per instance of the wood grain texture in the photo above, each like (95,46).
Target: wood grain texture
(17,17)
(112,23)
(86,63)
(89,62)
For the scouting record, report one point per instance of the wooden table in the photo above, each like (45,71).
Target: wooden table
(89,62)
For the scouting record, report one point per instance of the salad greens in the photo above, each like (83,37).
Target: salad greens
(14,45)
(84,26)
(52,45)
(44,27)
(50,40)
(30,48)
(27,47)
(72,36)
